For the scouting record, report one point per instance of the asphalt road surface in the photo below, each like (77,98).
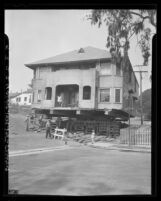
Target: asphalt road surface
(81,171)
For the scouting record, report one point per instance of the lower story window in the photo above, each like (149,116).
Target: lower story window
(105,95)
(86,93)
(48,93)
(117,95)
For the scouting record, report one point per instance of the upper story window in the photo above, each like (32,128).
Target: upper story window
(118,69)
(25,98)
(117,95)
(48,93)
(105,69)
(86,93)
(105,95)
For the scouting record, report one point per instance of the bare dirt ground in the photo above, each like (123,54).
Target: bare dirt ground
(19,139)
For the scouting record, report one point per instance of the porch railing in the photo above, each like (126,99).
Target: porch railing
(66,105)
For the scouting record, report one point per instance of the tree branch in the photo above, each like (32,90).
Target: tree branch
(131,35)
(143,17)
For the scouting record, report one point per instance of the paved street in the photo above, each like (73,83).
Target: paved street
(81,171)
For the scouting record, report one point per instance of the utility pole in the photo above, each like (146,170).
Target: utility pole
(141,100)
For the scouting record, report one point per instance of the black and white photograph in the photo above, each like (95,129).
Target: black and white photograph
(80,85)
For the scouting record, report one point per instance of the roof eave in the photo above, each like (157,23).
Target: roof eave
(65,62)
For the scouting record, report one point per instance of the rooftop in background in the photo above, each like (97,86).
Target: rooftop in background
(82,54)
(14,94)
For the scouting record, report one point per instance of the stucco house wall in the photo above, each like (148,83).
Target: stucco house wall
(22,99)
(85,77)
(72,68)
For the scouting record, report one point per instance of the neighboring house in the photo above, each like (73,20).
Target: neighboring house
(84,80)
(13,95)
(22,99)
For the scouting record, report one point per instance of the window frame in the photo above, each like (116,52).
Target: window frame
(101,68)
(120,94)
(86,91)
(101,89)
(46,93)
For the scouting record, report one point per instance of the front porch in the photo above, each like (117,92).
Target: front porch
(67,96)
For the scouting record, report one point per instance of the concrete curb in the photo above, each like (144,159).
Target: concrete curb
(111,147)
(35,151)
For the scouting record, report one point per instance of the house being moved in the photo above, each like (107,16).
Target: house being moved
(83,82)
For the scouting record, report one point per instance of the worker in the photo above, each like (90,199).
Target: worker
(27,120)
(65,137)
(93,136)
(48,128)
(32,119)
(40,122)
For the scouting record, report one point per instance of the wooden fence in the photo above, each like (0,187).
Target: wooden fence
(136,136)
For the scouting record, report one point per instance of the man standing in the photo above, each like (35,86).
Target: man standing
(40,122)
(27,120)
(48,128)
(93,136)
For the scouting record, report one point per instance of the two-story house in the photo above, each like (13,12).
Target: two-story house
(83,81)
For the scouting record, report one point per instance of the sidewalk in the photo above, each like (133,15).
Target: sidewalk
(120,147)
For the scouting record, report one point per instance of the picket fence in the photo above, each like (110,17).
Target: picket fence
(136,136)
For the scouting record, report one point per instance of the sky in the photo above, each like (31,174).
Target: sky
(39,34)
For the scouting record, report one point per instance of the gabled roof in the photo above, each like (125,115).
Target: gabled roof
(83,54)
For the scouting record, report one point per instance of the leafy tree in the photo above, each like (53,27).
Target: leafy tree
(122,25)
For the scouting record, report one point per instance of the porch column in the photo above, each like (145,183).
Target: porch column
(53,95)
(80,94)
